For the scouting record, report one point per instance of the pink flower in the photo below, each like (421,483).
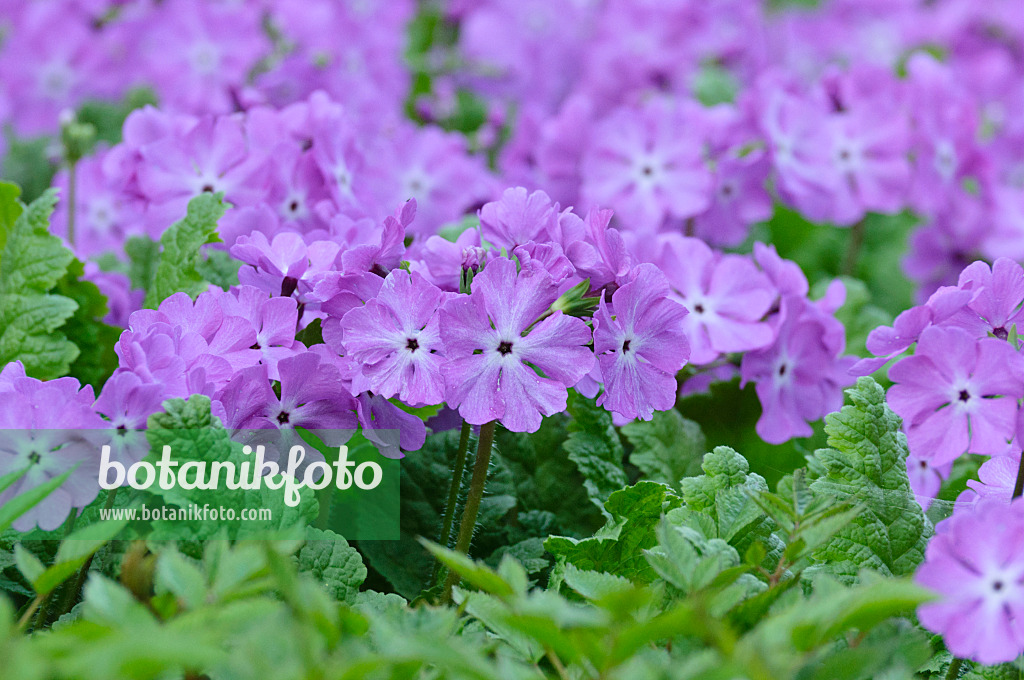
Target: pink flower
(727,296)
(800,377)
(957,394)
(976,564)
(496,344)
(641,344)
(646,164)
(396,340)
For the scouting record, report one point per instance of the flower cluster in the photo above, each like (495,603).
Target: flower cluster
(197,56)
(843,111)
(960,392)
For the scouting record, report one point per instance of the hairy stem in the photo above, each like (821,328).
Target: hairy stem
(853,248)
(453,493)
(954,669)
(476,494)
(72,200)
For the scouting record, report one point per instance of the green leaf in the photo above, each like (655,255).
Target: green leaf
(594,446)
(220,269)
(10,209)
(74,551)
(181,577)
(666,448)
(726,492)
(618,547)
(143,258)
(312,334)
(31,263)
(95,339)
(179,258)
(107,603)
(476,573)
(867,467)
(28,564)
(329,558)
(22,503)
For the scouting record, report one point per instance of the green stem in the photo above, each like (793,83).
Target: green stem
(476,494)
(954,669)
(23,621)
(853,248)
(1018,488)
(72,200)
(458,472)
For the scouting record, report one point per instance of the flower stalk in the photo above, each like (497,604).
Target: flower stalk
(476,493)
(453,493)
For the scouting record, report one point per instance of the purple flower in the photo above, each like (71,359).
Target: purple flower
(496,343)
(1000,293)
(40,420)
(518,218)
(286,265)
(800,377)
(646,164)
(739,199)
(127,401)
(926,480)
(433,168)
(313,395)
(186,345)
(957,394)
(274,321)
(211,156)
(976,565)
(599,253)
(396,340)
(198,54)
(997,478)
(104,216)
(640,344)
(945,306)
(727,296)
(384,253)
(440,261)
(391,429)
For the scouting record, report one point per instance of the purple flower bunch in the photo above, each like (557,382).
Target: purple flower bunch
(960,392)
(310,168)
(197,56)
(837,113)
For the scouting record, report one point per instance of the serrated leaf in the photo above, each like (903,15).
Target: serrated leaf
(331,560)
(96,360)
(179,258)
(143,257)
(181,577)
(866,466)
(29,565)
(727,492)
(32,261)
(10,209)
(594,446)
(667,448)
(74,551)
(219,268)
(618,547)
